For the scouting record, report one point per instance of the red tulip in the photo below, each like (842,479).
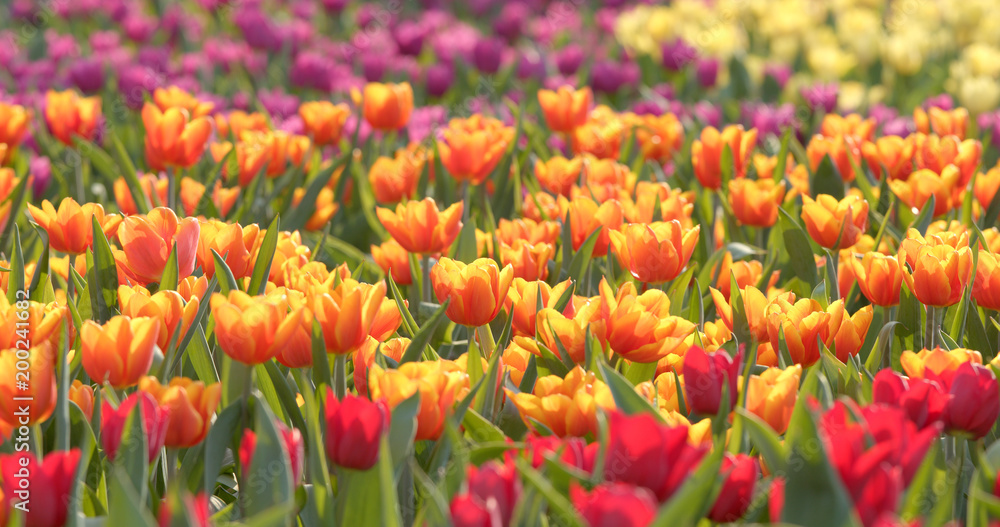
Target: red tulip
(704,376)
(615,505)
(737,490)
(643,452)
(975,401)
(573,451)
(776,500)
(155,420)
(293,443)
(924,401)
(196,505)
(496,483)
(354,428)
(45,485)
(468,511)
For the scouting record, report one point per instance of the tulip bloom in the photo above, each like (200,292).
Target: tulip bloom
(924,401)
(530,262)
(83,396)
(70,227)
(365,357)
(294,445)
(852,125)
(937,364)
(974,404)
(237,122)
(924,183)
(986,287)
(658,136)
(615,505)
(150,185)
(756,202)
(121,351)
(639,327)
(386,106)
(251,329)
(531,231)
(937,275)
(41,390)
(477,291)
(801,323)
(473,147)
(497,485)
(394,260)
(251,156)
(655,252)
(441,384)
(174,97)
(601,136)
(324,121)
(567,407)
(173,138)
(234,244)
(15,125)
(772,395)
(395,178)
(825,218)
(69,115)
(154,424)
(706,153)
(559,332)
(844,152)
(420,227)
(755,304)
(742,473)
(168,307)
(558,174)
(704,376)
(190,404)
(942,122)
(523,298)
(147,241)
(847,332)
(566,108)
(936,153)
(890,156)
(51,479)
(586,216)
(879,277)
(347,314)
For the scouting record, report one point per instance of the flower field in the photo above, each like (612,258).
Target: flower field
(534,263)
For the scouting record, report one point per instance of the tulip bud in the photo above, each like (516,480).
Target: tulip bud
(704,377)
(294,444)
(154,424)
(354,429)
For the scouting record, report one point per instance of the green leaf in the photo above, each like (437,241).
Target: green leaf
(799,251)
(321,362)
(266,484)
(827,180)
(765,439)
(170,278)
(883,347)
(923,220)
(132,453)
(423,336)
(626,399)
(262,268)
(695,497)
(559,505)
(284,393)
(480,429)
(102,277)
(125,503)
(16,200)
(466,249)
(15,282)
(638,372)
(581,258)
(228,282)
(403,429)
(217,442)
(409,324)
(96,155)
(129,173)
(298,216)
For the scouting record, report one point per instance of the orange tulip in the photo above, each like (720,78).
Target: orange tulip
(801,324)
(659,136)
(191,288)
(173,138)
(70,228)
(586,216)
(891,156)
(69,115)
(323,210)
(121,351)
(251,156)
(324,121)
(603,179)
(7,185)
(440,383)
(911,244)
(674,204)
(558,174)
(656,252)
(420,227)
(924,183)
(238,122)
(191,406)
(937,362)
(365,358)
(523,299)
(852,125)
(531,231)
(388,317)
(516,357)
(394,260)
(772,395)
(44,323)
(747,273)
(755,305)
(706,153)
(83,396)
(825,218)
(844,152)
(41,388)
(937,275)
(234,244)
(640,328)
(529,261)
(252,329)
(756,202)
(174,97)
(942,122)
(935,153)
(281,149)
(148,239)
(601,135)
(879,278)
(986,287)
(477,291)
(847,332)
(168,307)
(347,314)
(541,206)
(565,333)
(566,108)
(567,407)
(985,188)
(395,178)
(473,147)
(386,106)
(15,124)
(149,183)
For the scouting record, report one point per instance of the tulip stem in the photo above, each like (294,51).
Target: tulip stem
(340,375)
(930,336)
(171,190)
(486,342)
(467,202)
(81,196)
(959,504)
(888,315)
(425,282)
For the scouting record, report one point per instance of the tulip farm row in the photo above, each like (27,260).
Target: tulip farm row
(491,264)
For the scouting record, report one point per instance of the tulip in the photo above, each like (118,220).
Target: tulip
(239,121)
(191,288)
(605,179)
(704,377)
(936,153)
(566,407)
(828,220)
(496,484)
(516,356)
(168,307)
(942,122)
(365,357)
(924,401)
(755,304)
(615,505)
(937,364)
(173,138)
(347,314)
(420,227)
(531,231)
(174,97)
(803,324)
(601,135)
(558,174)
(656,252)
(476,291)
(737,490)
(41,389)
(44,323)
(890,156)
(70,227)
(83,396)
(523,298)
(196,507)
(251,156)
(922,184)
(386,106)
(395,178)
(441,385)
(15,125)
(190,404)
(658,136)
(748,273)
(852,125)
(530,262)
(472,148)
(147,242)
(121,351)
(51,480)
(640,328)
(69,115)
(559,332)
(566,108)
(155,421)
(879,277)
(252,329)
(772,395)
(847,332)
(986,286)
(844,152)
(294,446)
(706,153)
(586,216)
(937,275)
(150,184)
(233,243)
(394,260)
(974,404)
(323,121)
(756,202)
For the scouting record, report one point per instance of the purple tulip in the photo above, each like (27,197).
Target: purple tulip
(569,59)
(510,22)
(707,71)
(40,169)
(677,55)
(901,126)
(606,77)
(708,114)
(409,38)
(779,72)
(134,82)
(487,55)
(373,66)
(942,101)
(821,97)
(439,79)
(531,65)
(87,75)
